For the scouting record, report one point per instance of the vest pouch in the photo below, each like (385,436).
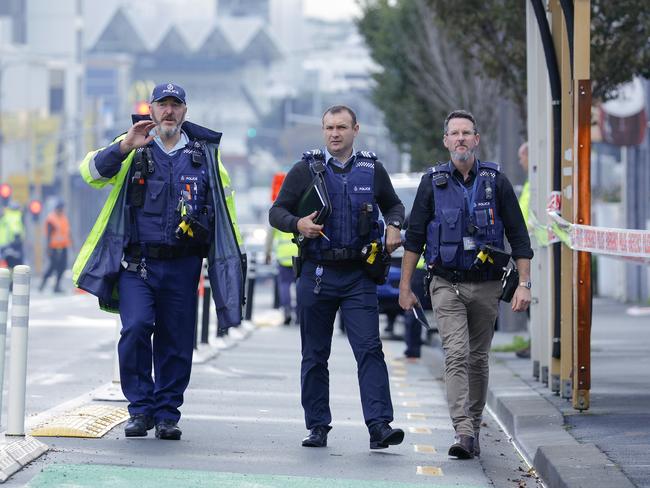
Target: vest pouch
(451,225)
(205,219)
(155,198)
(448,255)
(481,218)
(363,224)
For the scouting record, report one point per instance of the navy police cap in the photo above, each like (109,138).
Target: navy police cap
(165,90)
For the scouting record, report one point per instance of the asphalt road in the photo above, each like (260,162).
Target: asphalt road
(242,420)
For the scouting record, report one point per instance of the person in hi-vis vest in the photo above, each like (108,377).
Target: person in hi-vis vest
(285,250)
(57,230)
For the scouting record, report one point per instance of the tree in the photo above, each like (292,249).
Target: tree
(488,39)
(423,79)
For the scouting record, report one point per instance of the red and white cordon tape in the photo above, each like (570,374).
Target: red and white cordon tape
(628,244)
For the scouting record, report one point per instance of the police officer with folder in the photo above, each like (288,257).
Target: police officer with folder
(333,276)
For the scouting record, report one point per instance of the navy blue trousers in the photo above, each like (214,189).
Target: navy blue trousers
(356,295)
(162,306)
(285,279)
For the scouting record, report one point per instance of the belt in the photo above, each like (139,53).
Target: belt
(156,251)
(340,255)
(463,275)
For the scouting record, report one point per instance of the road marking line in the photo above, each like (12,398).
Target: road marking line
(419,430)
(424,448)
(429,471)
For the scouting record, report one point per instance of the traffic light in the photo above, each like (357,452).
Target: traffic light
(35,208)
(5,193)
(142,108)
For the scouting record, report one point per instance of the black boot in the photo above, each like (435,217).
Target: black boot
(317,437)
(382,436)
(138,425)
(463,448)
(168,430)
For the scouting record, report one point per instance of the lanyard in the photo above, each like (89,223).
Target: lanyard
(470,197)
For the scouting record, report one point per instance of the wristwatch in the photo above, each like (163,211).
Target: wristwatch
(526,284)
(395,223)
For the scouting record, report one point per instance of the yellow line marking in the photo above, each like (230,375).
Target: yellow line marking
(416,416)
(419,430)
(398,378)
(406,393)
(424,448)
(410,404)
(402,385)
(429,471)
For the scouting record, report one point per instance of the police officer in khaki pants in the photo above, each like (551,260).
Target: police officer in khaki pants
(461,205)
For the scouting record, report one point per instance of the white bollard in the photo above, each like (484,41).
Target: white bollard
(18,357)
(5,280)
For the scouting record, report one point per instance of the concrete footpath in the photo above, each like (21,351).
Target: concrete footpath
(606,446)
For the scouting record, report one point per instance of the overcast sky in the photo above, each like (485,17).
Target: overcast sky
(331,9)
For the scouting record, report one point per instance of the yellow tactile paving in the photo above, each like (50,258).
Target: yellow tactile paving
(85,421)
(429,471)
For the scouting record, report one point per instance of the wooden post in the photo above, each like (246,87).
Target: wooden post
(582,150)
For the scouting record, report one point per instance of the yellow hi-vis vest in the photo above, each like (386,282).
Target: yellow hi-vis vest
(285,249)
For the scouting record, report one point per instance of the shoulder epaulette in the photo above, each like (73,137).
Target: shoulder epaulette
(490,165)
(439,168)
(313,154)
(367,155)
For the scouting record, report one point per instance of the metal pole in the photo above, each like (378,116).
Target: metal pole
(205,323)
(5,279)
(250,289)
(18,359)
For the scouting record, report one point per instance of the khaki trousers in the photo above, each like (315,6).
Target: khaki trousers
(465,314)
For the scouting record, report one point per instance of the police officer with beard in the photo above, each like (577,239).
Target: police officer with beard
(332,276)
(170,203)
(460,206)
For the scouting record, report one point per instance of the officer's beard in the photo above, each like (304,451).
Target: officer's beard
(464,157)
(166,133)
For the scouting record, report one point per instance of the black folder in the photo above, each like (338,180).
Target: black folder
(315,199)
(418,311)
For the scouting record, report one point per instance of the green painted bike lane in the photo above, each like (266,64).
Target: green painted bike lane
(104,476)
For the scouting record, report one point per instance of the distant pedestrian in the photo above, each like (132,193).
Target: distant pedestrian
(57,230)
(461,206)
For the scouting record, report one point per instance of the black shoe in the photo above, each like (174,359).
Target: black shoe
(477,446)
(383,435)
(463,448)
(287,320)
(317,437)
(138,425)
(168,430)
